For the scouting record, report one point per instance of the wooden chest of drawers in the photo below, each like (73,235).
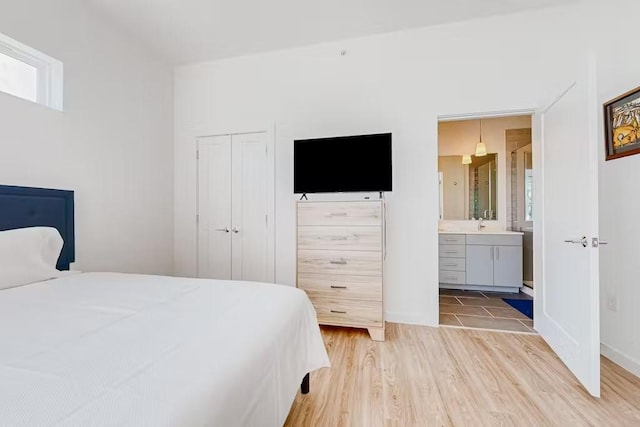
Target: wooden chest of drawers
(340,262)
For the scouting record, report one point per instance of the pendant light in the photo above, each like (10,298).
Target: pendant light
(466,159)
(481,148)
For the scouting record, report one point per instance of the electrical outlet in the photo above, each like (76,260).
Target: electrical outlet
(612,303)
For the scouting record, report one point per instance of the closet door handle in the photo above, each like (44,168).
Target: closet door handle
(226,229)
(235,230)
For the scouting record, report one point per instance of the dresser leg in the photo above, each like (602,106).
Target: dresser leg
(377,334)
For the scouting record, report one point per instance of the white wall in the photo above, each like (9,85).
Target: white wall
(619,72)
(112,144)
(402,82)
(398,82)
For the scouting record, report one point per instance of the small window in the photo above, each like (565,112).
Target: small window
(30,74)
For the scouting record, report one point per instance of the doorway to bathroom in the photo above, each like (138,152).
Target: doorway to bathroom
(485,168)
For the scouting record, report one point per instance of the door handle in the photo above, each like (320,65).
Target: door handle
(235,230)
(582,241)
(226,229)
(595,242)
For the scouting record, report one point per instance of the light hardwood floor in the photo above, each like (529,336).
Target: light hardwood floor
(456,377)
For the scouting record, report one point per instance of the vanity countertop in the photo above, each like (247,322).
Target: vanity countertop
(488,232)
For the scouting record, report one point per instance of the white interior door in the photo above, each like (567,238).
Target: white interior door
(250,204)
(566,210)
(214,207)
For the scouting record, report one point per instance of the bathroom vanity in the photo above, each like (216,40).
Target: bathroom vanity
(483,260)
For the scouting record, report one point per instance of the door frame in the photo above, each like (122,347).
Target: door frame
(536,146)
(268,128)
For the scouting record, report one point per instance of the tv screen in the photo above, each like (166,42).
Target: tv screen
(344,164)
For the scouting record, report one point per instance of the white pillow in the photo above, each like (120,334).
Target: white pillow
(29,255)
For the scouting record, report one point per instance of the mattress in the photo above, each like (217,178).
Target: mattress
(105,349)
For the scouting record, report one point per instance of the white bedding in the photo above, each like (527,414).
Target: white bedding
(127,350)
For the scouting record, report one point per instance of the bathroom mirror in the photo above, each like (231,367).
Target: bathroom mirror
(468,191)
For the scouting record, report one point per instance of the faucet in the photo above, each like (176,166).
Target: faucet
(480,224)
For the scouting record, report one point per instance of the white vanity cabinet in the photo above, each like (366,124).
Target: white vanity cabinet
(492,262)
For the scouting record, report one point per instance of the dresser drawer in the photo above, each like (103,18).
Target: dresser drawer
(452,239)
(357,263)
(453,277)
(452,251)
(340,213)
(336,311)
(344,287)
(366,238)
(453,264)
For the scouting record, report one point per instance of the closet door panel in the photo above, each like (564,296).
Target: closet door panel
(214,207)
(249,207)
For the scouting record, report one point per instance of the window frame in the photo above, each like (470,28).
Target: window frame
(49,71)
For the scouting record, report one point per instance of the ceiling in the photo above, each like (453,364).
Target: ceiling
(185,31)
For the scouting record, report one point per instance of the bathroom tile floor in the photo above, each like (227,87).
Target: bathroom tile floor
(482,310)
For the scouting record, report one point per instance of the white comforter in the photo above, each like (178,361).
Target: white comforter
(128,350)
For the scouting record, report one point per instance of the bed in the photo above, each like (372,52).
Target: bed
(87,349)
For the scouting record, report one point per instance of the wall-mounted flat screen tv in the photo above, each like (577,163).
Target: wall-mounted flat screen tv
(344,164)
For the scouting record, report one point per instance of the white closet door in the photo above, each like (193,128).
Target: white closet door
(249,209)
(214,207)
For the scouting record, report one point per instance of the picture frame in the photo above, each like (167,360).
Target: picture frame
(622,125)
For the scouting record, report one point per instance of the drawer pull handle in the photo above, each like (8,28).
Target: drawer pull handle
(341,262)
(449,265)
(338,287)
(450,252)
(338,214)
(338,312)
(339,237)
(449,278)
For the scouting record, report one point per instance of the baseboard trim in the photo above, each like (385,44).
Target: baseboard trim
(409,319)
(620,359)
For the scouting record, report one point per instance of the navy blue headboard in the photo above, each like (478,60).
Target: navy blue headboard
(22,207)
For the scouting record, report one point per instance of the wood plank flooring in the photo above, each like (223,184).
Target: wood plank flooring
(424,376)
